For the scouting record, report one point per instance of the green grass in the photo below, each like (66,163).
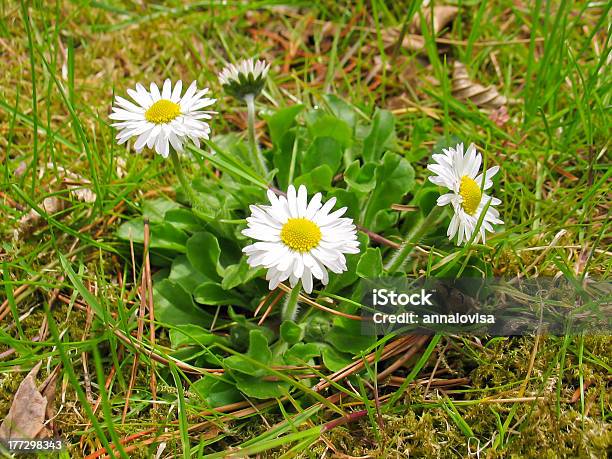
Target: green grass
(63,62)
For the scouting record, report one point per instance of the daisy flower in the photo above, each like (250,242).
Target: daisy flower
(162,119)
(460,174)
(247,78)
(298,239)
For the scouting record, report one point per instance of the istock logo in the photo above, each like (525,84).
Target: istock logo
(383,297)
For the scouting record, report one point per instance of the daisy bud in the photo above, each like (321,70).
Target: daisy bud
(247,78)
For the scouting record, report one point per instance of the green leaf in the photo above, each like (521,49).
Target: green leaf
(215,391)
(360,178)
(370,263)
(290,332)
(384,218)
(323,150)
(163,235)
(421,131)
(203,252)
(334,360)
(342,110)
(258,350)
(318,179)
(324,125)
(394,178)
(346,199)
(240,332)
(346,336)
(281,121)
(174,305)
(256,387)
(183,273)
(380,135)
(212,293)
(281,157)
(183,219)
(190,334)
(249,376)
(302,353)
(426,198)
(239,274)
(155,209)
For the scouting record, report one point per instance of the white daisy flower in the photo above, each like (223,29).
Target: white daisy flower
(460,174)
(298,239)
(248,77)
(163,119)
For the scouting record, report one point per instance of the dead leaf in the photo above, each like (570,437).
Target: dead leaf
(443,16)
(79,188)
(21,168)
(26,417)
(48,389)
(487,98)
(27,223)
(79,191)
(414,41)
(121,168)
(78,185)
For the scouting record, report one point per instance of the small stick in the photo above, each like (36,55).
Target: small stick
(433,372)
(86,377)
(404,358)
(262,302)
(357,365)
(139,332)
(272,304)
(147,286)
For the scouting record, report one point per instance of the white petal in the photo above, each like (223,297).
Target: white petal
(167,89)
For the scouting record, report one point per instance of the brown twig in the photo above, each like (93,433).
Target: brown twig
(86,377)
(421,340)
(147,293)
(262,302)
(435,368)
(281,294)
(389,350)
(140,329)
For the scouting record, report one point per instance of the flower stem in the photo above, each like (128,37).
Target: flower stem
(176,162)
(290,308)
(399,258)
(257,158)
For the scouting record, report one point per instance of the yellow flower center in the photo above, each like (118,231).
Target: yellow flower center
(162,111)
(300,234)
(471,194)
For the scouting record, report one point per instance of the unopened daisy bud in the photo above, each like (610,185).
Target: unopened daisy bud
(460,174)
(162,120)
(298,239)
(247,78)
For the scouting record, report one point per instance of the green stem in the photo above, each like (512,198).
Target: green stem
(257,158)
(292,164)
(398,259)
(290,308)
(176,162)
